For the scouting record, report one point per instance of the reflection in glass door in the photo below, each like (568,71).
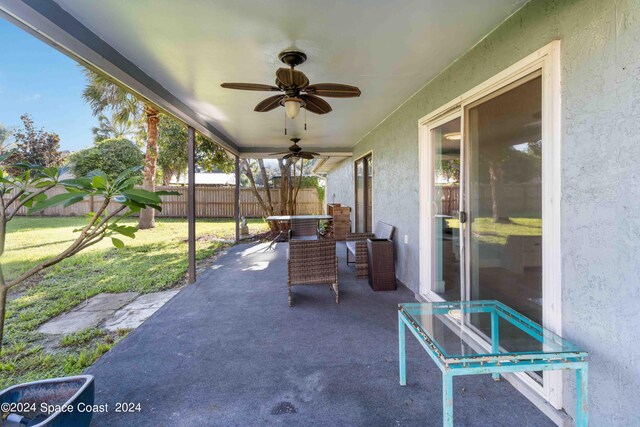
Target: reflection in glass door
(504,134)
(445,206)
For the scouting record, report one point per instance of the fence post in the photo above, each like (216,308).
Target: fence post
(237,199)
(191,203)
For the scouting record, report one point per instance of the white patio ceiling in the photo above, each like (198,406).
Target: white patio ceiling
(176,53)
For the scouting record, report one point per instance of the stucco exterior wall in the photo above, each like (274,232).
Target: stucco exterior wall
(600,60)
(340,186)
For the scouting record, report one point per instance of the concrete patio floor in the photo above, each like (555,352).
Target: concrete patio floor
(228,351)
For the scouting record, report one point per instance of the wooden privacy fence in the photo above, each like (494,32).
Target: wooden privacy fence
(211,202)
(517,199)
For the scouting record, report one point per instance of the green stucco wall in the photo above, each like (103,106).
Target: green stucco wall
(600,60)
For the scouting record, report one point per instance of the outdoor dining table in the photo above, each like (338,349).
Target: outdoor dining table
(281,219)
(466,338)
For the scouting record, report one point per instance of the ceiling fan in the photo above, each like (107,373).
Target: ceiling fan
(295,152)
(295,90)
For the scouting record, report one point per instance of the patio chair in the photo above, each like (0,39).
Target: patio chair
(357,246)
(313,262)
(304,229)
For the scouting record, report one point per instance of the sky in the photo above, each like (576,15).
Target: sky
(37,79)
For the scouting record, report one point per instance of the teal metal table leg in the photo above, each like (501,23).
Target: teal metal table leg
(495,338)
(402,353)
(582,397)
(447,400)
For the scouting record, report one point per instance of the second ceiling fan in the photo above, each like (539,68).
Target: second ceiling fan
(295,152)
(295,90)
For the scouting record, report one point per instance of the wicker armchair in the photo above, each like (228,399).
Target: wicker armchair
(357,246)
(313,262)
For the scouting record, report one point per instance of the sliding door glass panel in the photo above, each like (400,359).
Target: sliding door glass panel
(445,206)
(369,166)
(360,206)
(505,204)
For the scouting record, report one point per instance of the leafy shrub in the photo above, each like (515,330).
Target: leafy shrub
(112,156)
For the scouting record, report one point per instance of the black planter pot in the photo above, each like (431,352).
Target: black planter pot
(35,400)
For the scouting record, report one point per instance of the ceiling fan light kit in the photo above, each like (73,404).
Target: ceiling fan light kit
(292,106)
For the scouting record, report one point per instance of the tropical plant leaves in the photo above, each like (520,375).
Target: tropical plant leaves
(117,243)
(57,200)
(142,196)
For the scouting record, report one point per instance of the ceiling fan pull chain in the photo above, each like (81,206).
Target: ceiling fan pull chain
(285,123)
(305,119)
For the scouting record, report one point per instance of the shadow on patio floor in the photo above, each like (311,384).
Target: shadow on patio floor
(229,351)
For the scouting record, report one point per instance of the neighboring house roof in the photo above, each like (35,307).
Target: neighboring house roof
(214,178)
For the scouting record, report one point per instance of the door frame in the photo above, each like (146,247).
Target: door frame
(427,156)
(367,182)
(546,59)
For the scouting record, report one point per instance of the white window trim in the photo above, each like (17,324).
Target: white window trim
(546,59)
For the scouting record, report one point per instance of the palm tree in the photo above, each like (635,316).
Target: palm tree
(102,95)
(111,128)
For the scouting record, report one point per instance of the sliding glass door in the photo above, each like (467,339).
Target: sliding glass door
(363,194)
(445,206)
(490,203)
(504,189)
(485,205)
(505,197)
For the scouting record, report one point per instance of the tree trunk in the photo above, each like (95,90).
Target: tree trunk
(265,182)
(285,179)
(497,205)
(3,233)
(3,288)
(3,304)
(167,174)
(254,187)
(147,216)
(296,188)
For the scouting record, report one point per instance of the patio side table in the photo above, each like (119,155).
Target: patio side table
(381,264)
(446,331)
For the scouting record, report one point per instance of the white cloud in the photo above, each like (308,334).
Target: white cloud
(33,97)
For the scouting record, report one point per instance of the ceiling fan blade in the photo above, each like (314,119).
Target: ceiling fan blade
(305,155)
(250,86)
(311,153)
(333,90)
(269,104)
(288,77)
(315,104)
(287,156)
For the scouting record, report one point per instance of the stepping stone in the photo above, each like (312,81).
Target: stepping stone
(132,315)
(87,315)
(105,302)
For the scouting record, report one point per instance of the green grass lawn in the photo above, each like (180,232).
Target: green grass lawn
(155,260)
(487,231)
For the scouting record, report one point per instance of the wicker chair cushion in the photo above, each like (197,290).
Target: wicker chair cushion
(383,230)
(351,247)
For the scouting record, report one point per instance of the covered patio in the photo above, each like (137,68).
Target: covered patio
(524,111)
(240,356)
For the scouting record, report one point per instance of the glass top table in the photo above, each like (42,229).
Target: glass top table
(487,337)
